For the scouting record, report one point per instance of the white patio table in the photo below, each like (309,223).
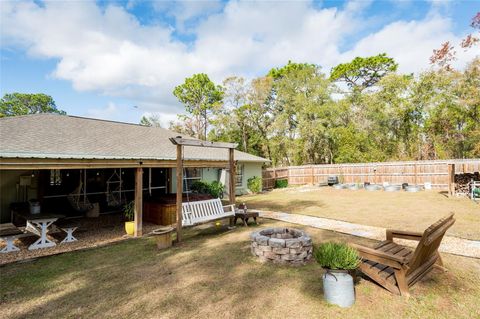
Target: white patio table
(38,224)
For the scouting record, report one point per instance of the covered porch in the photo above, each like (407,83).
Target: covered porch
(73,188)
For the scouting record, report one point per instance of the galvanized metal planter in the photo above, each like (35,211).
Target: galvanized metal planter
(338,288)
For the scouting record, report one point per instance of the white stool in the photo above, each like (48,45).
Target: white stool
(10,245)
(69,238)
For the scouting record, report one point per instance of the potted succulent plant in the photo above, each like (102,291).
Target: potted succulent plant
(338,260)
(128,212)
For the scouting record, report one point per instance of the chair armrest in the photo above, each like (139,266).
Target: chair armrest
(230,208)
(380,256)
(410,235)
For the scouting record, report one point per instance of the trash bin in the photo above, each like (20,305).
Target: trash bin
(34,206)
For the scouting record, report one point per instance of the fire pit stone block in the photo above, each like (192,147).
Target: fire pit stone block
(282,245)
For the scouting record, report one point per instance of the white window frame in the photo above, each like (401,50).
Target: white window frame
(186,179)
(239,177)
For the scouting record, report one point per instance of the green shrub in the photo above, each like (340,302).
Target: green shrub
(254,184)
(336,256)
(214,188)
(281,183)
(200,187)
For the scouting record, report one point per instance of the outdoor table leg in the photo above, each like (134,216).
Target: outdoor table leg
(10,245)
(43,241)
(69,238)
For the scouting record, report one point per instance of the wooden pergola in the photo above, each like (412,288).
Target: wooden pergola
(180,142)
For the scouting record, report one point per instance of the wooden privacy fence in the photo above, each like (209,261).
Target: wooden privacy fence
(415,172)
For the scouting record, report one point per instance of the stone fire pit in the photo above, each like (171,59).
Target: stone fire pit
(282,245)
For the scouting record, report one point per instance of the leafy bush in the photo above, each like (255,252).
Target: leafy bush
(254,184)
(200,187)
(129,211)
(281,183)
(336,256)
(214,188)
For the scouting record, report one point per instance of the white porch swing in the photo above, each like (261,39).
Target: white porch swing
(199,212)
(194,213)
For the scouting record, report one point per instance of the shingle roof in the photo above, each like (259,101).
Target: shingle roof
(63,136)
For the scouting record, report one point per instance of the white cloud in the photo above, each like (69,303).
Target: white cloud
(186,11)
(110,52)
(410,43)
(108,112)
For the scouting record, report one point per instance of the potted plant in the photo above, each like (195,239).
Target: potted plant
(128,212)
(338,260)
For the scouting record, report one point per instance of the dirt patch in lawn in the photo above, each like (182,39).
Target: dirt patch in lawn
(399,210)
(213,274)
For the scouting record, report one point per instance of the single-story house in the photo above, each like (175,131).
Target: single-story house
(64,161)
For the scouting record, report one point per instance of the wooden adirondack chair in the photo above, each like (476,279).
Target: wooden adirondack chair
(397,268)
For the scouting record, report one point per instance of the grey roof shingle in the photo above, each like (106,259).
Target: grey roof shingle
(63,136)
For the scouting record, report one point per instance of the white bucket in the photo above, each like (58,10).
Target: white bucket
(338,288)
(34,207)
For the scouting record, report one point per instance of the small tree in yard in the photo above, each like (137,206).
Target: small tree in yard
(200,97)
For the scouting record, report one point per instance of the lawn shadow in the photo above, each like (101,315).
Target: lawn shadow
(211,274)
(295,204)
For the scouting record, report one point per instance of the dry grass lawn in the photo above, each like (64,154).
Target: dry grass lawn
(399,210)
(213,275)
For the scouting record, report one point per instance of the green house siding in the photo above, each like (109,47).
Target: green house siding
(213,174)
(250,170)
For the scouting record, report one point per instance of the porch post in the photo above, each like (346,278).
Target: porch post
(179,192)
(231,191)
(138,202)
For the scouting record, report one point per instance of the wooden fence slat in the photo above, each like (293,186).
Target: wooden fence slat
(413,172)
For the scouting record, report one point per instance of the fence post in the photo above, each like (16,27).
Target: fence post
(312,174)
(415,172)
(451,179)
(274,177)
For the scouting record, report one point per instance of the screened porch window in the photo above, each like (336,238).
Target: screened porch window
(55,177)
(239,175)
(191,176)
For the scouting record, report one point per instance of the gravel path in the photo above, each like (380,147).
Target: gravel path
(450,244)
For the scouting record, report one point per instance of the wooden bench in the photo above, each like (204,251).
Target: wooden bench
(199,212)
(9,233)
(397,268)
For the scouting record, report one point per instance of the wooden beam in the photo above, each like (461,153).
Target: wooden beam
(192,142)
(231,192)
(451,179)
(138,207)
(42,163)
(179,192)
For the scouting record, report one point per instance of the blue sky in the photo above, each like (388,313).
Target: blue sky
(121,59)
